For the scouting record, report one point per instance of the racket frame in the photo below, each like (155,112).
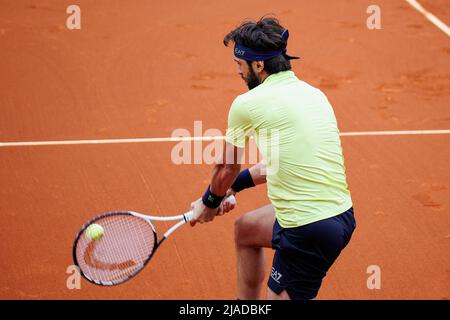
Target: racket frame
(183,219)
(186,217)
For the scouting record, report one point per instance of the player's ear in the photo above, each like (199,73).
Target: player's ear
(259,65)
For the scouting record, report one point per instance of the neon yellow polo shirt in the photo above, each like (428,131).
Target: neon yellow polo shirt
(295,129)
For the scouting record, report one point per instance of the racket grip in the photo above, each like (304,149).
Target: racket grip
(188,216)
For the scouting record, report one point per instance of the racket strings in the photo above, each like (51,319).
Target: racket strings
(126,245)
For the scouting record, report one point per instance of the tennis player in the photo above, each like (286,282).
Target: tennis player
(310,216)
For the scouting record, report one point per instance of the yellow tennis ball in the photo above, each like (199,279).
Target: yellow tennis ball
(94,232)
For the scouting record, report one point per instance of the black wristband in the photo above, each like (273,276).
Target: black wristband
(211,200)
(243,181)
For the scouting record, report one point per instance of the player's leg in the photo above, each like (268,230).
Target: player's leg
(253,232)
(304,255)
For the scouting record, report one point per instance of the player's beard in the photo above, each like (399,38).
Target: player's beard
(252,80)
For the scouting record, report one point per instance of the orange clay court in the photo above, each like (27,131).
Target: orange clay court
(141,69)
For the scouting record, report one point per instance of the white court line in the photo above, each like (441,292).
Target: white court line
(394,133)
(206,138)
(438,23)
(107,141)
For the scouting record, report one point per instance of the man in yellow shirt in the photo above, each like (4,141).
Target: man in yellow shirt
(310,218)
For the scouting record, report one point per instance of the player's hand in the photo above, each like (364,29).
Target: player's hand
(227,206)
(202,213)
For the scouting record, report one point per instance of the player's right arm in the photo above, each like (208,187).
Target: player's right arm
(240,128)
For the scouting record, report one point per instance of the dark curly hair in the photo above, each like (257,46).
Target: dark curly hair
(263,36)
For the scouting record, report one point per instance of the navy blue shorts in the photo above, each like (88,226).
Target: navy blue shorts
(304,254)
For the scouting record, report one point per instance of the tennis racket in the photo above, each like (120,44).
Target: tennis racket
(128,243)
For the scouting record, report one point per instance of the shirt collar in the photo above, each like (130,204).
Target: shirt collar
(279,76)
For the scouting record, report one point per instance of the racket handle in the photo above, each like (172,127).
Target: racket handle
(188,216)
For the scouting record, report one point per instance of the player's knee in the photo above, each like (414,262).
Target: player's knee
(241,231)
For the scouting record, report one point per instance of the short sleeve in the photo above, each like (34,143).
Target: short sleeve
(239,124)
